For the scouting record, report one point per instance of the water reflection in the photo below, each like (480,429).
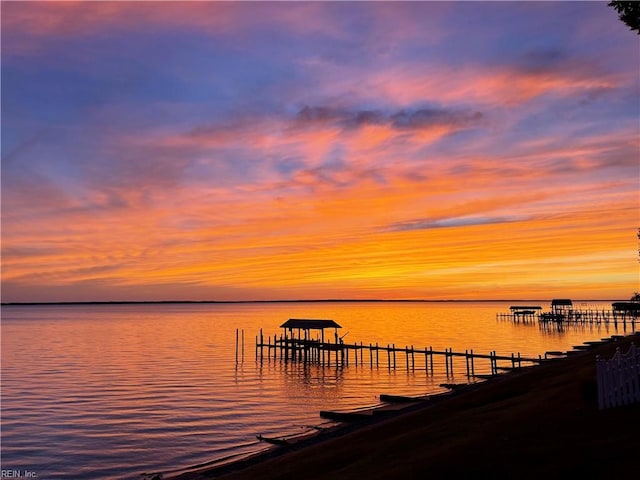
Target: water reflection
(603,329)
(125,389)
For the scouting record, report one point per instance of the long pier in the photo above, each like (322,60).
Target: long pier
(392,357)
(578,317)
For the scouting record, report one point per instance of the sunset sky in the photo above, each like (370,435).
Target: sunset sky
(298,150)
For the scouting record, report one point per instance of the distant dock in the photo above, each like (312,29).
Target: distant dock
(563,312)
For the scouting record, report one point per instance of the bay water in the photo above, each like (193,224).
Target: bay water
(114,391)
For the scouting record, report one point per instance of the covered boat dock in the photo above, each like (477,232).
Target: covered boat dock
(300,328)
(626,310)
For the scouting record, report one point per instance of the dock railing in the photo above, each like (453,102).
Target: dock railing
(619,378)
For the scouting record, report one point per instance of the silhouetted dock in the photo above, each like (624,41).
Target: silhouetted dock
(563,312)
(296,345)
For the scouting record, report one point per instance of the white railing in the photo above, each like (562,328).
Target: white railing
(619,378)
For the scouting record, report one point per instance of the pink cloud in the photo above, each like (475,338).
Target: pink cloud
(505,86)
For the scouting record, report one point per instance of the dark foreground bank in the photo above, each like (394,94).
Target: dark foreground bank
(541,422)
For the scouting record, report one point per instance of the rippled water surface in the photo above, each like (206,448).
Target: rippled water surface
(113,391)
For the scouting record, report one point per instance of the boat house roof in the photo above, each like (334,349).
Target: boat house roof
(561,301)
(626,306)
(309,324)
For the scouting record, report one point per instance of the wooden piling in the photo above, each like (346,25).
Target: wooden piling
(370,356)
(406,354)
(466,358)
(394,356)
(473,372)
(413,358)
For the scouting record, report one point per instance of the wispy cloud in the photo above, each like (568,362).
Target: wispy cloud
(416,119)
(427,224)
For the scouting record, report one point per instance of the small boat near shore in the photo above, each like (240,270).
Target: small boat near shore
(455,387)
(373,412)
(273,440)
(356,416)
(582,347)
(387,398)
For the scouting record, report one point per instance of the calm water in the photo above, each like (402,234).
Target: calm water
(97,392)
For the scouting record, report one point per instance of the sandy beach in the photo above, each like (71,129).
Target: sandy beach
(534,422)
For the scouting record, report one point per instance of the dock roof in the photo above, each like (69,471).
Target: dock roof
(626,306)
(309,324)
(561,301)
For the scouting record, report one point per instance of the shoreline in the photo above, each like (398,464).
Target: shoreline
(544,410)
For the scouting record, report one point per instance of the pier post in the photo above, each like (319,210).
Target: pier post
(451,359)
(491,362)
(413,358)
(406,354)
(389,357)
(466,357)
(370,356)
(494,366)
(446,360)
(377,350)
(519,361)
(431,357)
(286,347)
(426,361)
(473,372)
(394,355)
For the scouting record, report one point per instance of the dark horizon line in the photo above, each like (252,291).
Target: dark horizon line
(326,300)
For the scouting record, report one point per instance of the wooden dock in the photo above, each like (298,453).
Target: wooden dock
(580,316)
(390,356)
